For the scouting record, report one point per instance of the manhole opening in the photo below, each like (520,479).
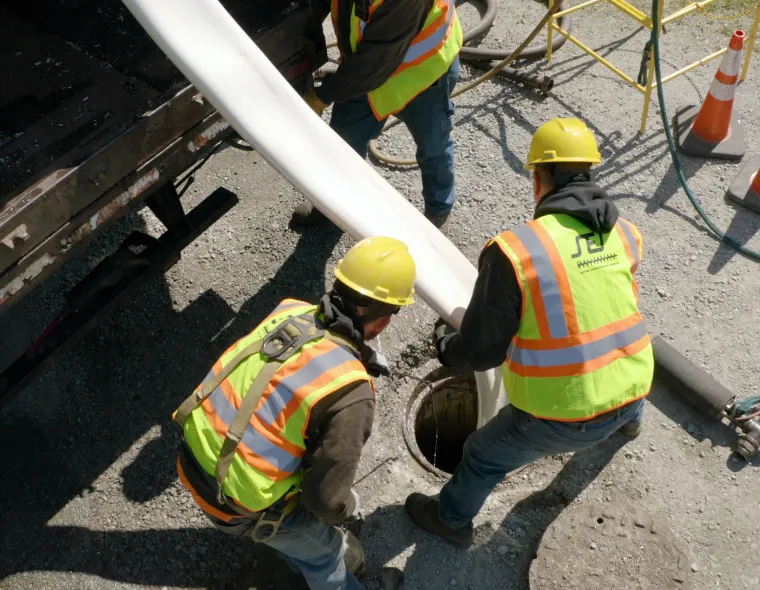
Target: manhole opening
(450,409)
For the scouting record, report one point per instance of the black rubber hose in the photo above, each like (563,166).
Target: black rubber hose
(688,381)
(486,21)
(538,81)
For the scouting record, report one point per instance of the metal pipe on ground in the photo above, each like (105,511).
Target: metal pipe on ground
(697,388)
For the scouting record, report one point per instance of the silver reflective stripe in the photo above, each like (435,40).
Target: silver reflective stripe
(633,245)
(547,280)
(285,390)
(582,353)
(417,50)
(265,449)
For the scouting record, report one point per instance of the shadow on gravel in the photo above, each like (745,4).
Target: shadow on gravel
(696,426)
(512,546)
(743,227)
(109,399)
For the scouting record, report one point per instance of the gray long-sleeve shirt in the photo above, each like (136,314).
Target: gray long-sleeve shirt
(385,41)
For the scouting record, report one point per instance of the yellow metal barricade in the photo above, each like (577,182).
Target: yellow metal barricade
(648,21)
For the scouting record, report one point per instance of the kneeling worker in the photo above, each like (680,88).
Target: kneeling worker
(556,306)
(272,438)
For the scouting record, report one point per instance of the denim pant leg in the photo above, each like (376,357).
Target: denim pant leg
(308,545)
(317,549)
(510,440)
(430,120)
(355,122)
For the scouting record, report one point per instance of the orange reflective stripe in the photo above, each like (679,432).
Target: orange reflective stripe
(262,465)
(585,418)
(205,506)
(285,305)
(531,277)
(566,294)
(578,339)
(575,369)
(428,32)
(321,381)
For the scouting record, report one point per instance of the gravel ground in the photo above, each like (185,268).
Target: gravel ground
(91,495)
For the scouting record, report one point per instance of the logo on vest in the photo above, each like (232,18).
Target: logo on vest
(594,257)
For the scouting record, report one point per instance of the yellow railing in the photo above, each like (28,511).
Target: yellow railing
(649,22)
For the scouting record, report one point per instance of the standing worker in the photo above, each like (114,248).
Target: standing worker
(272,437)
(555,305)
(396,57)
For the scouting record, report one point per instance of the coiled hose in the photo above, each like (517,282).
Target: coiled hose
(481,58)
(655,41)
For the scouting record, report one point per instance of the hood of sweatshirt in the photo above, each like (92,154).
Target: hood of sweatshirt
(584,200)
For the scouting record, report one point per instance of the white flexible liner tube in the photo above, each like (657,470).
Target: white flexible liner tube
(219,58)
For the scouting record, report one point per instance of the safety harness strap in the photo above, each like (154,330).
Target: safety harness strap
(199,395)
(240,422)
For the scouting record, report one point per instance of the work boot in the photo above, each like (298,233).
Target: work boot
(438,220)
(423,510)
(353,556)
(389,578)
(306,214)
(631,429)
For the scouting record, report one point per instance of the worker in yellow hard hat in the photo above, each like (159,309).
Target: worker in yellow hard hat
(272,437)
(555,306)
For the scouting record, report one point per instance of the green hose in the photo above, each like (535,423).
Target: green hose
(673,153)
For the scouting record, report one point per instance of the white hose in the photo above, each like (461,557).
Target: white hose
(222,61)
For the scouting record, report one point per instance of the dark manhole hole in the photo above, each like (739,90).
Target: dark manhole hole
(441,415)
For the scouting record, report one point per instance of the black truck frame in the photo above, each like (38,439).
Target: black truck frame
(95,121)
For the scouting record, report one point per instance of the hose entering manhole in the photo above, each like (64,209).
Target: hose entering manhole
(442,412)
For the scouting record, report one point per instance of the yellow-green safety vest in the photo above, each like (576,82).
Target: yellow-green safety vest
(267,462)
(582,348)
(429,56)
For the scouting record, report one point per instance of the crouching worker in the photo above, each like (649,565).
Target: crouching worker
(272,438)
(555,305)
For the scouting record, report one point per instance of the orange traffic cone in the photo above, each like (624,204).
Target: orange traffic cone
(714,130)
(746,186)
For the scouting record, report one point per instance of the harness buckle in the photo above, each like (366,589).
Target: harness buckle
(290,336)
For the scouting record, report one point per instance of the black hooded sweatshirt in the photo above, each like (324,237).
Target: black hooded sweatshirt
(338,428)
(492,317)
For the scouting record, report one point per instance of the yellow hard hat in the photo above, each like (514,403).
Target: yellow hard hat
(380,268)
(562,140)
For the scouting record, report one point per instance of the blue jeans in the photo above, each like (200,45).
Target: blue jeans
(306,544)
(430,119)
(511,439)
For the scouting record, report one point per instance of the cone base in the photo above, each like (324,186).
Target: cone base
(731,148)
(740,190)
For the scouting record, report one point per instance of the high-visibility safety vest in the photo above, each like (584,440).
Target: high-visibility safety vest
(429,56)
(269,446)
(582,348)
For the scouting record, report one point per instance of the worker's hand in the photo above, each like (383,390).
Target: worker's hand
(375,362)
(355,519)
(316,105)
(440,332)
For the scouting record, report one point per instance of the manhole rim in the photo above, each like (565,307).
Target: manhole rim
(433,382)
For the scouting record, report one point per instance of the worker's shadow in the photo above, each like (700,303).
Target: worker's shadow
(388,532)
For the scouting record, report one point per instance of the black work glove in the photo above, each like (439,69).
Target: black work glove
(440,332)
(375,362)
